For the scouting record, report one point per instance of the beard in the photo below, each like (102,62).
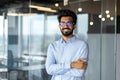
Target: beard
(67,33)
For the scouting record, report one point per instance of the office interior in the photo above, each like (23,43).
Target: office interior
(27,27)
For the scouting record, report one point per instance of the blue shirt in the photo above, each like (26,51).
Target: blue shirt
(59,56)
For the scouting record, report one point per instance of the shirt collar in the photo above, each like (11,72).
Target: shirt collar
(69,41)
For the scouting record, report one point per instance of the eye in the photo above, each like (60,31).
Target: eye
(69,23)
(62,23)
(66,23)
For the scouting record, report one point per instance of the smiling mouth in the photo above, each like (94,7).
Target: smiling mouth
(65,29)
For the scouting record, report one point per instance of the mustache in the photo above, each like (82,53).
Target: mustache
(65,28)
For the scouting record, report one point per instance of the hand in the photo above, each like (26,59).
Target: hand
(79,64)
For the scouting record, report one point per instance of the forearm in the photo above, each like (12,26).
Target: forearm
(57,69)
(78,68)
(75,72)
(79,65)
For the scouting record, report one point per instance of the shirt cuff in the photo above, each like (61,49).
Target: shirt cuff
(67,66)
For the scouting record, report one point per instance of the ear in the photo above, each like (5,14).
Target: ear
(74,26)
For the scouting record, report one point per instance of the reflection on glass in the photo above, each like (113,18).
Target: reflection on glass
(1,36)
(3,48)
(33,30)
(3,42)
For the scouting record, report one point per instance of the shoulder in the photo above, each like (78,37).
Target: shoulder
(54,43)
(78,40)
(81,43)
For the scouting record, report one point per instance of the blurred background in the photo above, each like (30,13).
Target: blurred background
(27,27)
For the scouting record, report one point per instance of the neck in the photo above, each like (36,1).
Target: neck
(65,38)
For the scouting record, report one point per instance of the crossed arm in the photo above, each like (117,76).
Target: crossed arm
(75,68)
(78,68)
(79,64)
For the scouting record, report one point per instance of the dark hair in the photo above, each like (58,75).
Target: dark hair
(67,12)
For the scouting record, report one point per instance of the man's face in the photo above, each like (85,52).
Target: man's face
(66,26)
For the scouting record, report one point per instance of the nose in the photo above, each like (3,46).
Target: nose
(65,25)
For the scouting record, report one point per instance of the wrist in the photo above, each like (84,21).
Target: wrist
(71,65)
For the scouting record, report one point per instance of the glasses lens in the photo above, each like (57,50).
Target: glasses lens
(66,23)
(62,23)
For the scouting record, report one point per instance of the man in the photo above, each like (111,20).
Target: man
(67,58)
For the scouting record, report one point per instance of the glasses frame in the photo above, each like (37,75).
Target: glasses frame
(69,24)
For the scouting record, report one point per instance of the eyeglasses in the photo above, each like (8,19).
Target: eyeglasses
(66,23)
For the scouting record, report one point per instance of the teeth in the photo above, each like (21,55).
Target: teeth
(66,29)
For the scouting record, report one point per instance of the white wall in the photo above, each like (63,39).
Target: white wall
(102,58)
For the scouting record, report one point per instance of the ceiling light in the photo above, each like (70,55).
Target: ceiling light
(80,9)
(91,23)
(108,15)
(103,19)
(42,8)
(107,11)
(56,4)
(100,16)
(111,18)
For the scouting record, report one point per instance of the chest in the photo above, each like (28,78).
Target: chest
(66,53)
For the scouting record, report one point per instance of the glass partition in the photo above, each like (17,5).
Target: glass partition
(3,47)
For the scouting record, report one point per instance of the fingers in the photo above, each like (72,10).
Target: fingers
(85,66)
(79,64)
